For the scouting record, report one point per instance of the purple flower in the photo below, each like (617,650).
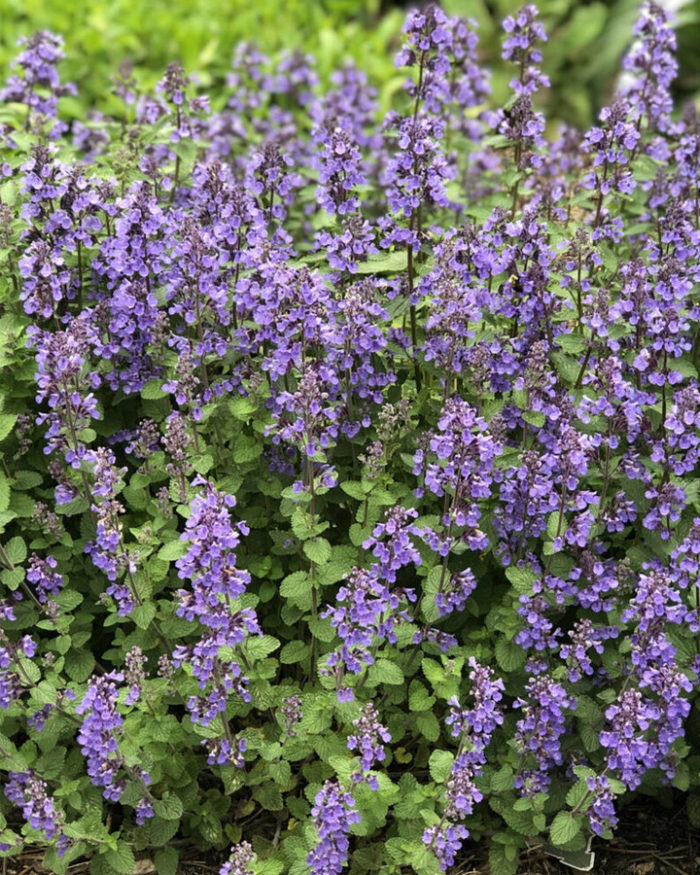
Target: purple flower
(38,85)
(392,544)
(292,713)
(366,611)
(240,861)
(523,33)
(474,728)
(98,735)
(27,791)
(210,565)
(367,741)
(333,814)
(601,813)
(652,62)
(446,840)
(42,574)
(539,732)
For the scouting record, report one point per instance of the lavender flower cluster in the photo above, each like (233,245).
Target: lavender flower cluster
(317,423)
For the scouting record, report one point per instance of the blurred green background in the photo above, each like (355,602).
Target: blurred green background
(587,40)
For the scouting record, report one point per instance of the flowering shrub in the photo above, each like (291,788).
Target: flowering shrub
(348,496)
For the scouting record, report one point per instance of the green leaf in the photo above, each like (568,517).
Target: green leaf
(566,366)
(166,861)
(242,408)
(521,578)
(174,549)
(16,550)
(385,672)
(269,796)
(510,657)
(572,343)
(500,862)
(440,764)
(68,600)
(577,794)
(30,670)
(564,828)
(354,490)
(153,391)
(428,725)
(26,479)
(169,807)
(269,866)
(294,651)
(100,865)
(502,780)
(12,579)
(7,421)
(160,831)
(79,664)
(534,417)
(247,449)
(143,614)
(389,262)
(318,550)
(280,772)
(258,647)
(4,492)
(121,858)
(297,588)
(418,697)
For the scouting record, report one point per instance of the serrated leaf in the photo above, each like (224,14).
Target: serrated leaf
(418,697)
(26,480)
(502,780)
(246,449)
(571,343)
(258,647)
(297,587)
(269,796)
(16,550)
(440,764)
(383,671)
(30,670)
(318,550)
(577,794)
(428,725)
(389,262)
(242,407)
(99,865)
(166,861)
(4,492)
(12,579)
(121,858)
(153,391)
(501,863)
(7,422)
(564,828)
(521,578)
(294,651)
(509,655)
(160,831)
(79,664)
(169,807)
(354,489)
(280,772)
(174,549)
(143,614)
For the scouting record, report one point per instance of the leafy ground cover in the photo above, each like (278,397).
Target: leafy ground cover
(348,497)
